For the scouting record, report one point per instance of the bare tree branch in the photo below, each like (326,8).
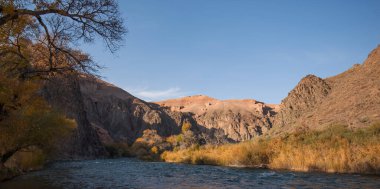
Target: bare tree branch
(59,25)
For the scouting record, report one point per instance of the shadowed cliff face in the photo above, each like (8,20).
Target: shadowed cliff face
(63,93)
(120,117)
(239,119)
(106,114)
(351,98)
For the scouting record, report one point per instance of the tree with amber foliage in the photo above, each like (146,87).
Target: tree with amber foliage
(26,120)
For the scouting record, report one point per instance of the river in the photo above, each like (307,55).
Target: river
(133,173)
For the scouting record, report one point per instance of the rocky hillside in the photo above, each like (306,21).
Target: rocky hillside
(238,119)
(351,98)
(106,114)
(118,116)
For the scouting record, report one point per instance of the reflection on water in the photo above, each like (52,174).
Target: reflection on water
(132,173)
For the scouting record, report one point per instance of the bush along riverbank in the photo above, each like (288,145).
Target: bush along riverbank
(336,149)
(23,161)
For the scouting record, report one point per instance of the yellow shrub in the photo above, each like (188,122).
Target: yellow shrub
(154,150)
(186,126)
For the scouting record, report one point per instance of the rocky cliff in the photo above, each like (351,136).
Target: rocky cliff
(64,94)
(351,98)
(120,117)
(107,114)
(238,119)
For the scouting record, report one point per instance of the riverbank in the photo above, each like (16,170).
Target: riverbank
(7,174)
(334,150)
(22,162)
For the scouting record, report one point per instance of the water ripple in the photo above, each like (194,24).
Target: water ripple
(133,173)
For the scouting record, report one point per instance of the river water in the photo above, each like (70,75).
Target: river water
(133,173)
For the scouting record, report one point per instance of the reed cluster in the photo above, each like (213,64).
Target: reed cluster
(336,149)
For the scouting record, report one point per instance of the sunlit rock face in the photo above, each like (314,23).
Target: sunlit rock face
(238,119)
(303,99)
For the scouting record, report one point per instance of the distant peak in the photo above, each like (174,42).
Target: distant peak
(310,78)
(200,96)
(201,99)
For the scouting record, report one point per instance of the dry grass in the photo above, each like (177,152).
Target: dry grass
(245,153)
(336,149)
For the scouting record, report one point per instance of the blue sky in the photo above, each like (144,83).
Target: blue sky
(236,49)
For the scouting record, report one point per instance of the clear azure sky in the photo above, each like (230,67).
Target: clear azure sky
(236,49)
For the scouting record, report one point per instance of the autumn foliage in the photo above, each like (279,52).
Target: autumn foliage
(26,120)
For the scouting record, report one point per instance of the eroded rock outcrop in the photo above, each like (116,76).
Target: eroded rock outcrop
(302,100)
(239,119)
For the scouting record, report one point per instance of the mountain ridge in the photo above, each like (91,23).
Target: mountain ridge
(350,98)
